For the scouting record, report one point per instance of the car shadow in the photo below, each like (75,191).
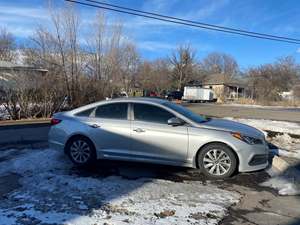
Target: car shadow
(140,170)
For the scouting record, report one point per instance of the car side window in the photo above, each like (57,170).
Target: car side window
(151,113)
(112,111)
(85,113)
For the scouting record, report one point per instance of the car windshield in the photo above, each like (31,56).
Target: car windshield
(186,112)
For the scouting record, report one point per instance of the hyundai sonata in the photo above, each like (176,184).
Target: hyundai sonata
(157,131)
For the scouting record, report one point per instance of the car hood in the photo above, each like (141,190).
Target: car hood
(232,126)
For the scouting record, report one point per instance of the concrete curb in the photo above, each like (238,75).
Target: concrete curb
(280,164)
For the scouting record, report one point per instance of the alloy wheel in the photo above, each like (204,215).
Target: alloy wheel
(216,162)
(80,151)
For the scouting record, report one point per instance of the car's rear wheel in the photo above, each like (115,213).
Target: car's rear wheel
(217,161)
(81,151)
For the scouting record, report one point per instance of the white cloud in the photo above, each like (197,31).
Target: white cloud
(22,21)
(155,46)
(159,6)
(207,10)
(21,12)
(298,50)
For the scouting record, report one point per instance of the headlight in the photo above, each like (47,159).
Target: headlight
(247,139)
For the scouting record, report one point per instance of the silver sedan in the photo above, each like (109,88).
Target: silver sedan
(157,131)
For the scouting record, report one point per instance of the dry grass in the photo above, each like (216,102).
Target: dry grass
(284,103)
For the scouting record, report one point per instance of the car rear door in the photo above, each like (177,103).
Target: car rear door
(111,129)
(153,139)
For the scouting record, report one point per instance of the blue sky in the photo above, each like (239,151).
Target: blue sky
(158,39)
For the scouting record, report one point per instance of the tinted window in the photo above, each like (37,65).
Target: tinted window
(112,111)
(85,113)
(150,113)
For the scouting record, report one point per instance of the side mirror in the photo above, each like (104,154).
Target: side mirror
(174,121)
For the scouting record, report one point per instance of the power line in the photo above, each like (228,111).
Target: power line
(181,22)
(194,22)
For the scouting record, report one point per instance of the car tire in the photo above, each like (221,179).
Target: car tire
(217,161)
(81,151)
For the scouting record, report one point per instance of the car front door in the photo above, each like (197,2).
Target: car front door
(153,139)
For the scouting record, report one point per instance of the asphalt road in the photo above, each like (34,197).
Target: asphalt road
(276,113)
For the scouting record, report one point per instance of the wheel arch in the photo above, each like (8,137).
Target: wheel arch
(77,135)
(220,143)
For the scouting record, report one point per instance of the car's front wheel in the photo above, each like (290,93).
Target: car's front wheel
(81,151)
(217,161)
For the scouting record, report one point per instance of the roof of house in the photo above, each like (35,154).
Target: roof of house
(222,79)
(10,65)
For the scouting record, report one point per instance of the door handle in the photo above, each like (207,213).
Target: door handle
(139,130)
(94,125)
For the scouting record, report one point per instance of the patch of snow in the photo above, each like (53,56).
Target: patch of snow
(4,115)
(287,183)
(282,152)
(51,193)
(258,106)
(272,125)
(285,145)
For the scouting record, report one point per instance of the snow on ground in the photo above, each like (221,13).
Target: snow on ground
(287,183)
(4,115)
(285,145)
(258,106)
(52,194)
(272,125)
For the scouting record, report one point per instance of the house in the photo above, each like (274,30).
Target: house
(225,88)
(9,72)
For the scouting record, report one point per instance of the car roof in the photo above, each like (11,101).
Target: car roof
(138,99)
(116,100)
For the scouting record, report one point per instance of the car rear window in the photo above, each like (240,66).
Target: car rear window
(112,111)
(85,113)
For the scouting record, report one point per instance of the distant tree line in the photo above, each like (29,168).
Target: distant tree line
(84,70)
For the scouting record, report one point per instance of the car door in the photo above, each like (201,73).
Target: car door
(153,139)
(111,129)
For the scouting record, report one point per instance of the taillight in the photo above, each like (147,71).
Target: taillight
(55,121)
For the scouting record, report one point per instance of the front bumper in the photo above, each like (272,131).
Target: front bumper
(253,157)
(258,160)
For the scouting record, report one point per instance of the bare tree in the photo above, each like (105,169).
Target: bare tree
(183,65)
(155,76)
(7,46)
(296,91)
(129,66)
(269,80)
(220,63)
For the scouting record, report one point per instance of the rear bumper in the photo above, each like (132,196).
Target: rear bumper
(56,138)
(56,145)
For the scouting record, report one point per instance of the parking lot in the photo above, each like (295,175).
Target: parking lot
(248,112)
